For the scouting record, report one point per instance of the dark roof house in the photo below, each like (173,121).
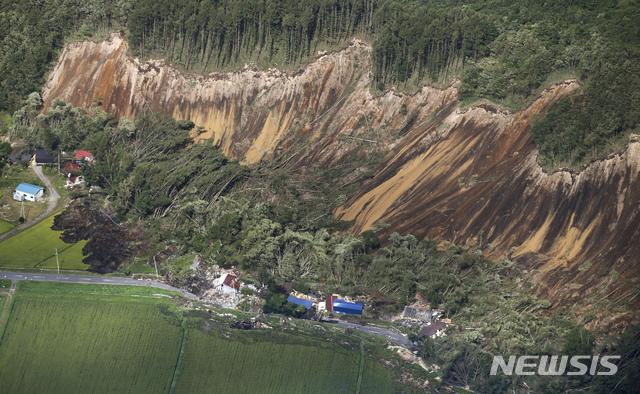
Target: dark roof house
(42,157)
(24,158)
(433,330)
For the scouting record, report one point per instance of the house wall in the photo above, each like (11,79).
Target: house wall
(227,289)
(30,197)
(27,196)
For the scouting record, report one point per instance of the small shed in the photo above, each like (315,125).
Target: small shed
(300,301)
(27,191)
(347,308)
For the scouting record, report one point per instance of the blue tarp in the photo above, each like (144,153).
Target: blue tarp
(28,188)
(347,308)
(300,301)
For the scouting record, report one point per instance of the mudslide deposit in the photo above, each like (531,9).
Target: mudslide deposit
(448,173)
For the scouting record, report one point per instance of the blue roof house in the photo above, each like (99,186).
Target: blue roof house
(300,301)
(27,191)
(347,308)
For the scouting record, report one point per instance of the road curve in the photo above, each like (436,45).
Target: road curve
(101,280)
(51,206)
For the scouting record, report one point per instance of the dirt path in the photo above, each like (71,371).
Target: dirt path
(9,294)
(54,197)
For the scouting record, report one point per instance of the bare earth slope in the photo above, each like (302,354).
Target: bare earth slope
(447,173)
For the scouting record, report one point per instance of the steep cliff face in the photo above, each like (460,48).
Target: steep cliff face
(446,173)
(472,175)
(249,112)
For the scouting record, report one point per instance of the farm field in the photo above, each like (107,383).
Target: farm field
(64,344)
(270,365)
(36,246)
(122,339)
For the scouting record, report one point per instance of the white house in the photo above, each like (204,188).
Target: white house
(227,283)
(27,191)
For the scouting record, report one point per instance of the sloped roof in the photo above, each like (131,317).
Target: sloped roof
(300,301)
(231,281)
(417,313)
(81,154)
(43,157)
(345,307)
(28,188)
(432,329)
(23,157)
(70,166)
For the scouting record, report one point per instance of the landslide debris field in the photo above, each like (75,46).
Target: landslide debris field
(78,342)
(446,172)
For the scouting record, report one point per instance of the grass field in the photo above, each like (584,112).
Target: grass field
(72,338)
(60,288)
(5,226)
(36,246)
(87,346)
(268,365)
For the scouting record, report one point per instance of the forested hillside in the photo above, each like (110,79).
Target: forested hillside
(502,50)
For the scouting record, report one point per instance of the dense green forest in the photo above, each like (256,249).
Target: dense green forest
(501,50)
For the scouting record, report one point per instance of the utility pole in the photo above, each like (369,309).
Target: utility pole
(57,262)
(22,215)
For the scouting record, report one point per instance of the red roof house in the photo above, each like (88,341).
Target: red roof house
(228,283)
(70,167)
(84,155)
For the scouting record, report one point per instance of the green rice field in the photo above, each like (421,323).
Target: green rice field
(36,246)
(71,346)
(270,365)
(96,339)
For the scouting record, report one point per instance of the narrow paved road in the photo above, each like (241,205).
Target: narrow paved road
(394,336)
(107,280)
(54,197)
